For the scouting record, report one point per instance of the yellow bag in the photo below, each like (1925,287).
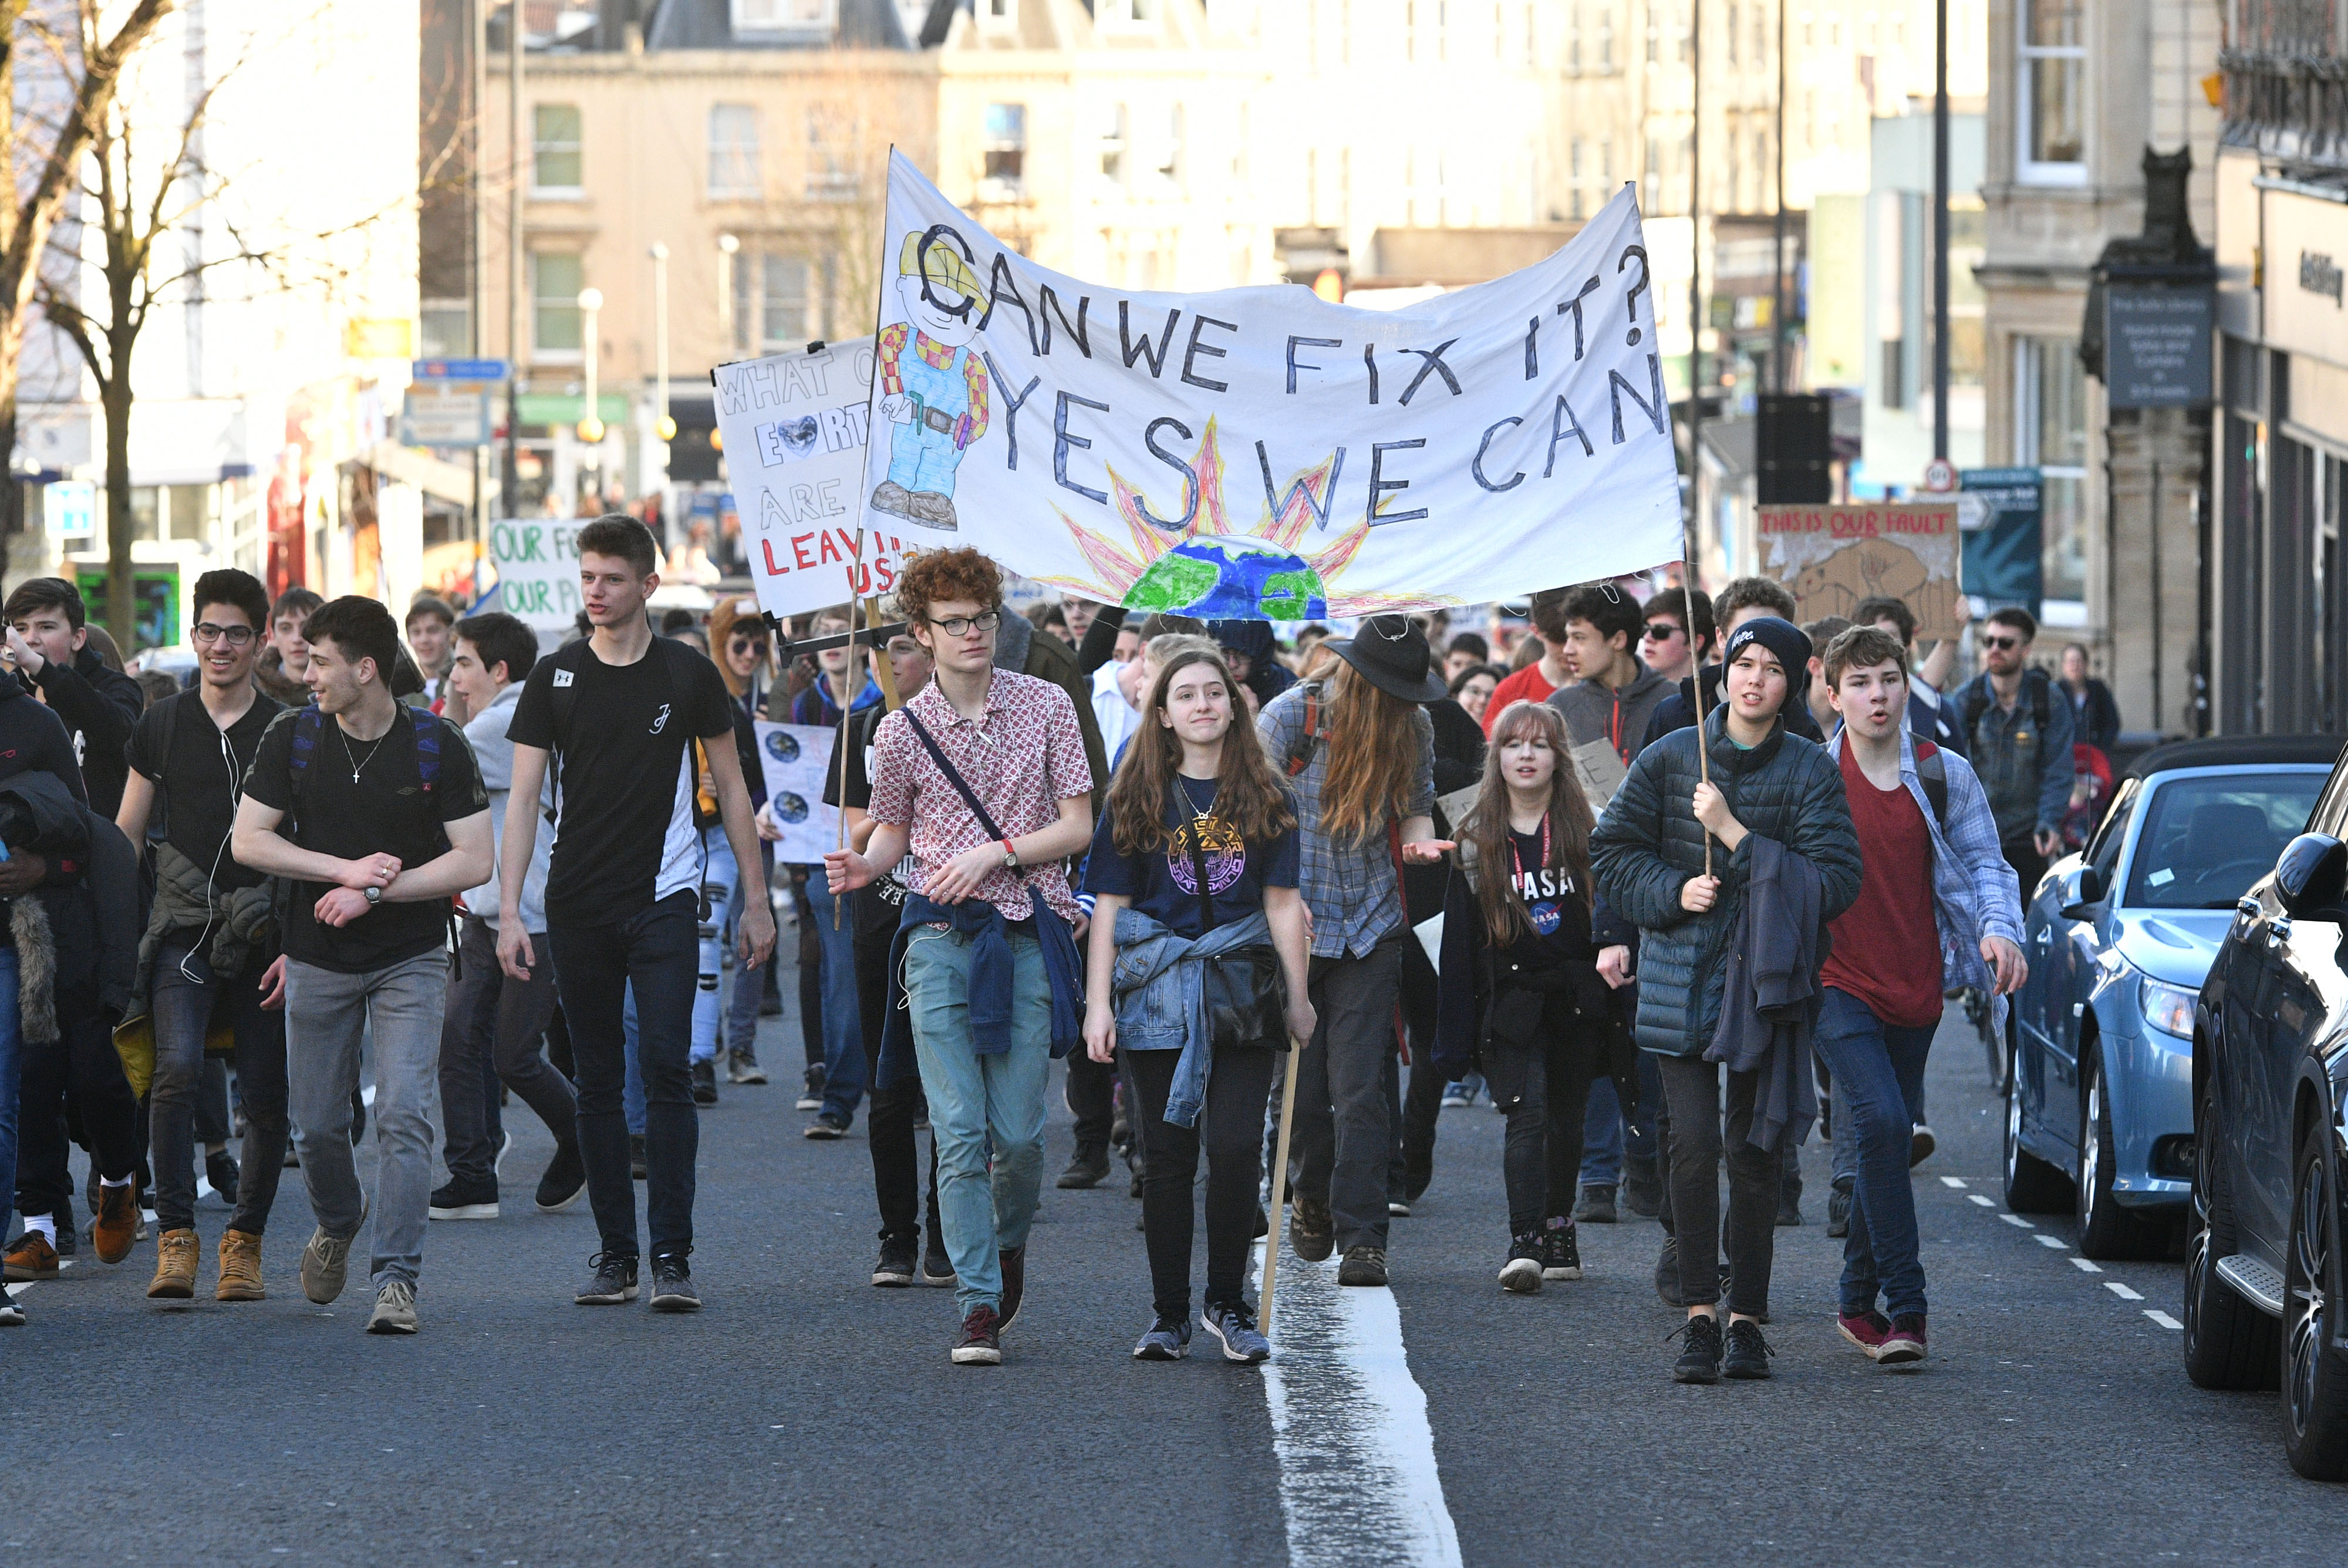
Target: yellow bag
(134,1042)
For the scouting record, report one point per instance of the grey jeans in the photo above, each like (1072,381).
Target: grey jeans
(1344,1135)
(327,1014)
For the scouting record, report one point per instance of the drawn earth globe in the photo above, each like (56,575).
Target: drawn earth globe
(790,808)
(1221,578)
(781,746)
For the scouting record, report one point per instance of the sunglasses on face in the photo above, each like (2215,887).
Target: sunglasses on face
(2001,643)
(748,644)
(1660,630)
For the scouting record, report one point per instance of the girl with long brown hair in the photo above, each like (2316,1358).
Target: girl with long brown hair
(1520,995)
(1359,750)
(1198,972)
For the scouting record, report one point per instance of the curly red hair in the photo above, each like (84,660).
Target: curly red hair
(958,574)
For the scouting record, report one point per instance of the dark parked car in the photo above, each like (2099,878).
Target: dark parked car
(2099,1107)
(2270,1091)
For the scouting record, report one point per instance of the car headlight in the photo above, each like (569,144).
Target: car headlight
(2169,1008)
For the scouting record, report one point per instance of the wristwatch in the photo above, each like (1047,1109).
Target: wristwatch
(1010,857)
(373,895)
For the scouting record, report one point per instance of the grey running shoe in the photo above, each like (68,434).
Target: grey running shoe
(612,1280)
(1234,1324)
(326,1261)
(394,1308)
(1166,1341)
(672,1286)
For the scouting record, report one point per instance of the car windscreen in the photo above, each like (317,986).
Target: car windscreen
(2205,841)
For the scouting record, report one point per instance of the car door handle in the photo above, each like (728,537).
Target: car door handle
(2247,908)
(2278,931)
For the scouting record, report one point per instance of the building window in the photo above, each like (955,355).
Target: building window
(2049,94)
(831,160)
(1168,159)
(554,160)
(1573,39)
(1006,148)
(734,166)
(555,278)
(1606,41)
(804,19)
(2050,434)
(1112,143)
(1732,34)
(1129,13)
(773,302)
(999,14)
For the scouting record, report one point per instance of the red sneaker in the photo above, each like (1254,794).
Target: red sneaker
(1905,1344)
(1868,1330)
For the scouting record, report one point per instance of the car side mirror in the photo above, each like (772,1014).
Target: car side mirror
(2311,877)
(2078,888)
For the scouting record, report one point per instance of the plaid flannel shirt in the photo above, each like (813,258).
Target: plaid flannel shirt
(1349,887)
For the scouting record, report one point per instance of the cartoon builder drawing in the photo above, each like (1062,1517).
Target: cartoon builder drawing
(935,395)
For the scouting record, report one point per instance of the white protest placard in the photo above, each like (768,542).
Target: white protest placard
(794,427)
(793,757)
(1260,453)
(537,561)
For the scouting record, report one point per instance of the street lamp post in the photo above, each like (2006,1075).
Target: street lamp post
(590,427)
(727,246)
(664,426)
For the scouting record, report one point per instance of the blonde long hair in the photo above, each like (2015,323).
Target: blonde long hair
(1487,825)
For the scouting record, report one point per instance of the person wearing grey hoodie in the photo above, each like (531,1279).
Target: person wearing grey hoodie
(493,1017)
(1612,693)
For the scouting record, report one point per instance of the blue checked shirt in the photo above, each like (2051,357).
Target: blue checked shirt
(1349,887)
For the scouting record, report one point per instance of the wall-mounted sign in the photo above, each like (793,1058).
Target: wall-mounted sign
(2156,345)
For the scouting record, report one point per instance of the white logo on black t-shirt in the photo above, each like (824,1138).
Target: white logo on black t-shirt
(660,720)
(562,678)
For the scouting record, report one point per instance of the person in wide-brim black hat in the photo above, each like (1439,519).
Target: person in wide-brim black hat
(1391,652)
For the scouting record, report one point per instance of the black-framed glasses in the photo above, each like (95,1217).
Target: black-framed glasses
(745,644)
(1662,631)
(960,625)
(235,636)
(2001,643)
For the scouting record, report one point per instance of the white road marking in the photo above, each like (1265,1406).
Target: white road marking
(17,1290)
(2123,1291)
(1984,1202)
(1956,1182)
(2055,1242)
(2162,1320)
(2018,1220)
(1358,1482)
(2083,1266)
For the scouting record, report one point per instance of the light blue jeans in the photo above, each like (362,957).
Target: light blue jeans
(11,1040)
(976,1098)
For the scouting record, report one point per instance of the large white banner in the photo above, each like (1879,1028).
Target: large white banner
(1259,452)
(793,757)
(793,427)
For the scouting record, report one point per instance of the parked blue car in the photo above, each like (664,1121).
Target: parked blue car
(2119,938)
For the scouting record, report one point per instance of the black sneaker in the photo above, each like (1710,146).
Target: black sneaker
(937,1269)
(1699,1359)
(1837,1212)
(980,1343)
(1560,1252)
(672,1285)
(1522,1272)
(1364,1265)
(460,1200)
(1595,1206)
(1643,1188)
(896,1265)
(565,1179)
(1311,1229)
(636,1166)
(221,1171)
(705,1082)
(1748,1353)
(613,1281)
(1087,1168)
(1014,1263)
(812,1093)
(827,1126)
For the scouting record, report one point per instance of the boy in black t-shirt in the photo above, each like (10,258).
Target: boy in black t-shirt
(389,820)
(188,755)
(621,708)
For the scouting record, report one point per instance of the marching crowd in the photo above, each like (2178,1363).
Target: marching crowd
(1686,880)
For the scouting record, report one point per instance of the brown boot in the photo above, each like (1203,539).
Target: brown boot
(240,1268)
(118,1222)
(175,1267)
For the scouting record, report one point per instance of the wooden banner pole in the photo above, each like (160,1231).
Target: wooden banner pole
(1280,1182)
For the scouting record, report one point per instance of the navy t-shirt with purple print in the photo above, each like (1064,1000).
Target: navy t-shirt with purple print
(1164,882)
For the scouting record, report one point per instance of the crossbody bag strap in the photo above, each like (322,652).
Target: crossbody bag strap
(954,777)
(1198,857)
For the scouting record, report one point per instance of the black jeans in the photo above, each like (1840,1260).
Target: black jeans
(186,995)
(1227,1130)
(1421,1102)
(889,1112)
(493,1027)
(1342,1138)
(83,1058)
(1541,1161)
(1092,1099)
(1691,1091)
(810,971)
(658,951)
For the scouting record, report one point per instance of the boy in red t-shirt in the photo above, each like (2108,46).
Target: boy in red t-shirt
(1934,891)
(1543,675)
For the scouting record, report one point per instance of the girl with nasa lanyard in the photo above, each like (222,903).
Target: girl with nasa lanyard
(1528,959)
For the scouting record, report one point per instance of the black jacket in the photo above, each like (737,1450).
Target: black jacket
(2097,721)
(34,739)
(99,706)
(1649,844)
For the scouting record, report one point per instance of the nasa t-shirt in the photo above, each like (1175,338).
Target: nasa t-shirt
(624,835)
(1164,883)
(1556,906)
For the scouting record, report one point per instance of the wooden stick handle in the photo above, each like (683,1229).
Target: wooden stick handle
(1703,742)
(1280,1181)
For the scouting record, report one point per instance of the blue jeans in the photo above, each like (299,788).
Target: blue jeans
(1602,1135)
(975,1099)
(749,984)
(843,1028)
(1910,1068)
(1873,1062)
(10,1040)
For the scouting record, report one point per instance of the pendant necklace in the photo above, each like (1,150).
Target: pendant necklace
(1196,815)
(365,761)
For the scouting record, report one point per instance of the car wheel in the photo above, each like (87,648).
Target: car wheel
(2106,1230)
(2314,1369)
(2031,1185)
(2229,1343)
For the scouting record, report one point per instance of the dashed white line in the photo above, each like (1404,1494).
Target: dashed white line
(2123,1291)
(2017,1221)
(1977,1198)
(2044,1240)
(1956,1182)
(2162,1320)
(2083,1266)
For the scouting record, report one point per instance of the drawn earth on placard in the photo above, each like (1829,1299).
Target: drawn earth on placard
(1832,580)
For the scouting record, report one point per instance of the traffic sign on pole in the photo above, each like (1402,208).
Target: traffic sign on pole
(459,370)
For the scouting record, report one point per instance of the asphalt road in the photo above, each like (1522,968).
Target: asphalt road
(805,1416)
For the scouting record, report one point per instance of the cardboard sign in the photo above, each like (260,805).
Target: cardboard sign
(1834,556)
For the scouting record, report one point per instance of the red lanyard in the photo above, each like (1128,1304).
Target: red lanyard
(1518,860)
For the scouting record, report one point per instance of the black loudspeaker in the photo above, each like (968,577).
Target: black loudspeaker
(1796,450)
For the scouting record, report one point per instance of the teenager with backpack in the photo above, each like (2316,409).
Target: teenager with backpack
(2018,733)
(1198,975)
(1936,912)
(1523,996)
(387,821)
(1359,750)
(982,776)
(1771,800)
(620,711)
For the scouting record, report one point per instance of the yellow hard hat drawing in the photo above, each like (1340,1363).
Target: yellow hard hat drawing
(942,266)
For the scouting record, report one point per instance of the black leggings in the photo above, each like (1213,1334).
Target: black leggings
(1231,1128)
(1692,1093)
(1541,1161)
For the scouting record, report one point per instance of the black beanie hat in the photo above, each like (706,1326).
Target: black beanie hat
(1782,638)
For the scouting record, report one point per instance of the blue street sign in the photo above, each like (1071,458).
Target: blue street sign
(459,369)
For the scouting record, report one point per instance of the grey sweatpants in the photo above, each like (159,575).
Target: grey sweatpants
(326,1013)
